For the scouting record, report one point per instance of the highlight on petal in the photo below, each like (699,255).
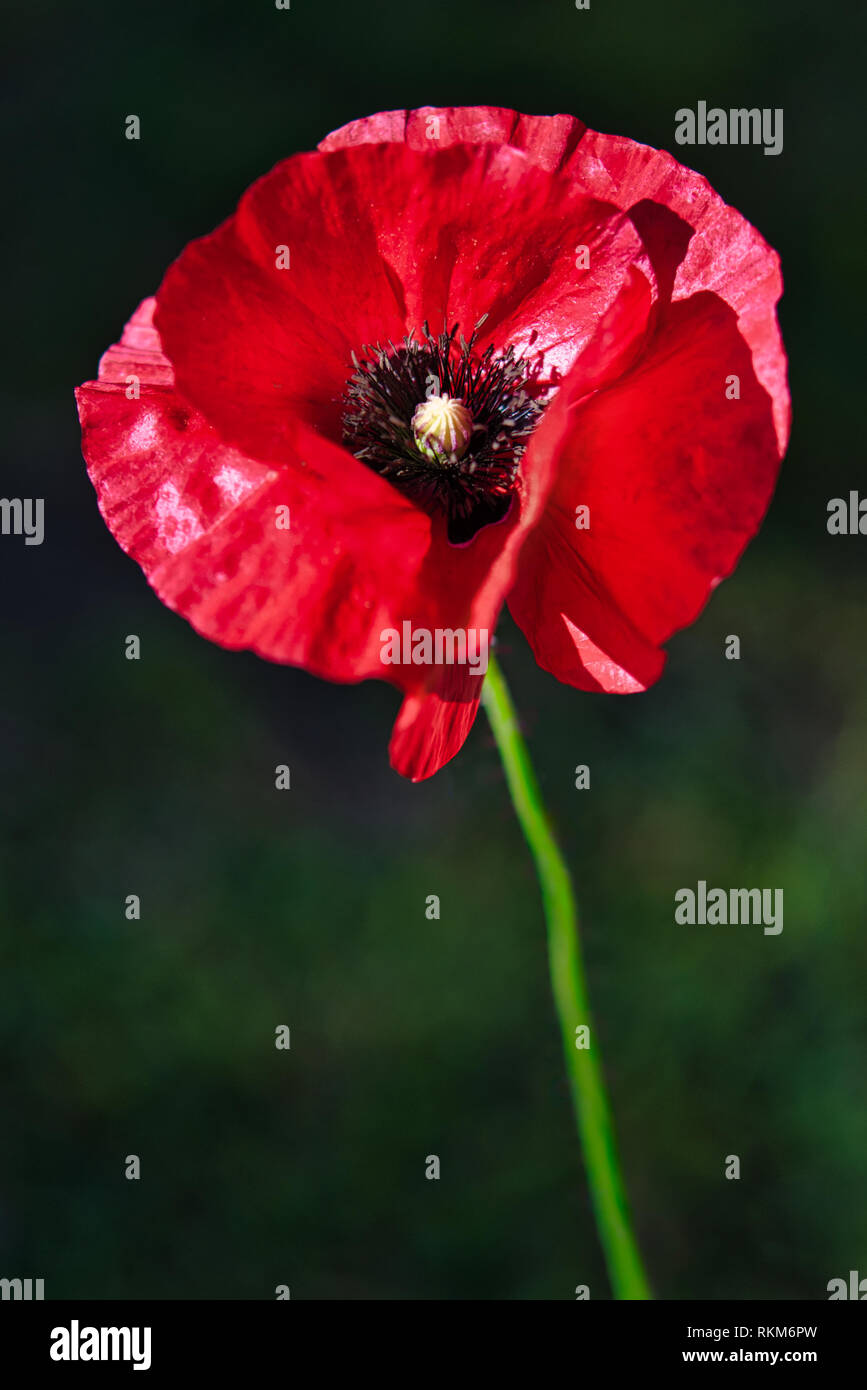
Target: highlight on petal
(607,674)
(161,472)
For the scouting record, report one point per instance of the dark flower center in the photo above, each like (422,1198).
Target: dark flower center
(444,423)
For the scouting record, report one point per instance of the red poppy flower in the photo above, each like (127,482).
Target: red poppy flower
(376,400)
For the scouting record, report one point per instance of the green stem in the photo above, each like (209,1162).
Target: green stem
(592,1112)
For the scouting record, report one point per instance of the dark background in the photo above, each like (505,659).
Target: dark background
(306,907)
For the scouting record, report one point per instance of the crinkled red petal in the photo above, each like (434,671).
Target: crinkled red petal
(380,239)
(724,253)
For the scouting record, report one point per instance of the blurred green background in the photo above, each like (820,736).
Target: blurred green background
(155,777)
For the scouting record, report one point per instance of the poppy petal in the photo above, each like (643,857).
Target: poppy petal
(431,728)
(676,477)
(450,237)
(549,141)
(725,253)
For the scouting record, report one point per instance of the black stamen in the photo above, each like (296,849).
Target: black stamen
(501,394)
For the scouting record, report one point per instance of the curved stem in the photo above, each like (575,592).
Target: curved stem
(592,1112)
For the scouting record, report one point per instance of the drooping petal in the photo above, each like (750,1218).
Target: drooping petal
(432,726)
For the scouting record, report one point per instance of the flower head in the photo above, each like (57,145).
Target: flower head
(451,359)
